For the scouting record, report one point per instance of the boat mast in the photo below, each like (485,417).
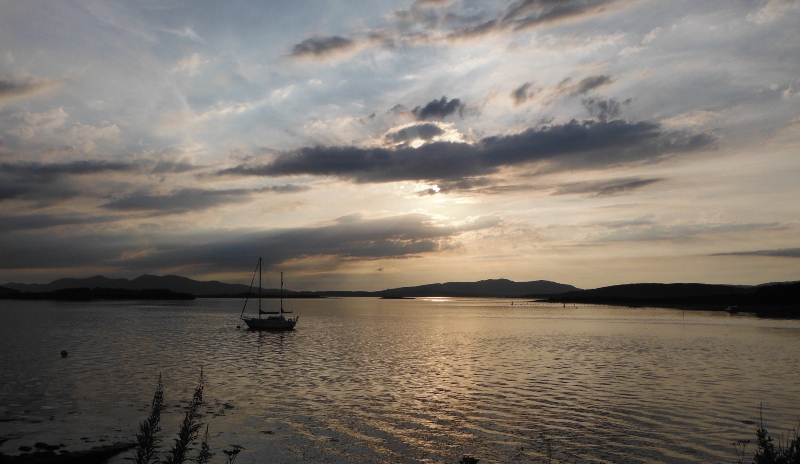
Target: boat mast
(281,293)
(259,287)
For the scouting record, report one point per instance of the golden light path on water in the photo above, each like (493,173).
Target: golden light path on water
(425,380)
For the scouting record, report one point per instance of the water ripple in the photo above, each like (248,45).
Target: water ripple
(364,380)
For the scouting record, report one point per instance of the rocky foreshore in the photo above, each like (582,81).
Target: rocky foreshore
(56,454)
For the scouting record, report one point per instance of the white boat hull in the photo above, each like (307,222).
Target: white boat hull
(270,323)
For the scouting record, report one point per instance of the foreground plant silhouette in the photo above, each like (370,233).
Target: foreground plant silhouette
(190,427)
(769,453)
(148,441)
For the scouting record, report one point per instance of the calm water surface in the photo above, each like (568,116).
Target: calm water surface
(425,380)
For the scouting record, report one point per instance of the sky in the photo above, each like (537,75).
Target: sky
(363,145)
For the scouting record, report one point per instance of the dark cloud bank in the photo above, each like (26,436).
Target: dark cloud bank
(192,199)
(51,170)
(46,181)
(347,238)
(574,145)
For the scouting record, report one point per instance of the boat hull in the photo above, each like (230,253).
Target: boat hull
(270,324)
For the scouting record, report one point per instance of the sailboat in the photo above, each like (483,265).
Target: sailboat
(275,320)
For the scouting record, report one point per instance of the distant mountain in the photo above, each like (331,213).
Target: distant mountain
(178,284)
(659,291)
(774,299)
(484,288)
(174,283)
(8,291)
(98,293)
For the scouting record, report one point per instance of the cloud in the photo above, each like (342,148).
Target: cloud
(525,14)
(426,131)
(480,184)
(568,88)
(16,86)
(647,231)
(48,127)
(431,3)
(437,21)
(439,109)
(45,221)
(84,136)
(47,182)
(529,14)
(523,93)
(43,171)
(776,253)
(32,124)
(773,10)
(605,187)
(564,89)
(188,65)
(651,36)
(191,199)
(352,238)
(603,109)
(177,166)
(597,188)
(691,119)
(10,190)
(322,47)
(574,145)
(186,33)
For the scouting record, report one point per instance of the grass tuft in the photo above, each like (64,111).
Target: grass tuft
(205,453)
(190,428)
(785,452)
(147,438)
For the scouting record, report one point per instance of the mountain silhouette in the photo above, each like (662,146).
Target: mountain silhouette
(174,283)
(178,284)
(775,299)
(503,288)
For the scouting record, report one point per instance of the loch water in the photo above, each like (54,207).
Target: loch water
(422,380)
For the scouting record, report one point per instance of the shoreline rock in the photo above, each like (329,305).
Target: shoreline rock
(96,455)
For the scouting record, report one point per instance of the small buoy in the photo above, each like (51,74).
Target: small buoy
(64,353)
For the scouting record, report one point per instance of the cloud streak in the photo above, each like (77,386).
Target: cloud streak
(587,84)
(322,47)
(574,145)
(351,238)
(605,187)
(348,238)
(564,89)
(523,93)
(421,24)
(775,253)
(46,221)
(15,87)
(192,199)
(408,134)
(603,109)
(45,171)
